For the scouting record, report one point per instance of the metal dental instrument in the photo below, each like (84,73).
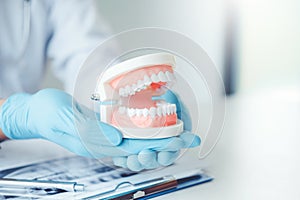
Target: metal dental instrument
(22,183)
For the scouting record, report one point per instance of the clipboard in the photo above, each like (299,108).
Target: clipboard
(154,187)
(101,181)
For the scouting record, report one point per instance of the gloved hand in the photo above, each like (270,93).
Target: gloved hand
(149,159)
(49,114)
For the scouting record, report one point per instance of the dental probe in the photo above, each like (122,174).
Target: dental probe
(22,183)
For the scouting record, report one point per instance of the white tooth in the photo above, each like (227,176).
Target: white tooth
(162,77)
(169,76)
(158,110)
(124,94)
(147,80)
(145,112)
(121,91)
(131,112)
(164,110)
(140,84)
(131,92)
(174,108)
(139,112)
(154,78)
(168,109)
(152,112)
(127,89)
(134,87)
(171,109)
(122,110)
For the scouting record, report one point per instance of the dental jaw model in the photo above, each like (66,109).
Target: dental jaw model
(126,93)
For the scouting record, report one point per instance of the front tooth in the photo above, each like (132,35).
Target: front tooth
(162,77)
(131,112)
(147,80)
(158,111)
(154,78)
(139,112)
(122,110)
(145,112)
(163,110)
(169,76)
(152,112)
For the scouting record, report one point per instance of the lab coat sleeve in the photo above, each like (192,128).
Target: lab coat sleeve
(76,28)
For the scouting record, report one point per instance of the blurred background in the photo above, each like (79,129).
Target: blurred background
(254,44)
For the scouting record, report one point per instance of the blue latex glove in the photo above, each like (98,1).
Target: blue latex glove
(149,159)
(49,114)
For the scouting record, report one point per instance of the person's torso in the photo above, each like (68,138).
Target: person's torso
(24,31)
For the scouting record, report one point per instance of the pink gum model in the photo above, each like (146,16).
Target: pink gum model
(136,89)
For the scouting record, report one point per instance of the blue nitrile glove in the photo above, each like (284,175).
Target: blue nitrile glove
(149,159)
(49,114)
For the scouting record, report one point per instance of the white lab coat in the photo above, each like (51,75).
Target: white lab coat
(32,31)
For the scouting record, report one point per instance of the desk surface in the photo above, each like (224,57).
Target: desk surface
(257,156)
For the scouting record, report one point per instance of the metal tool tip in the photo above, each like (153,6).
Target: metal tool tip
(79,187)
